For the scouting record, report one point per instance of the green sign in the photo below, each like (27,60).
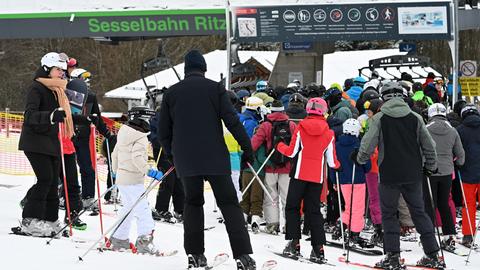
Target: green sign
(112,24)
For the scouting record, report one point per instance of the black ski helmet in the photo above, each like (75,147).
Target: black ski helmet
(469,109)
(139,118)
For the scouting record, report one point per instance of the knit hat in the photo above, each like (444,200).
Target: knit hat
(194,61)
(277,106)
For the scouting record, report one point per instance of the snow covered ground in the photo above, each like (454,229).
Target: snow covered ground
(19,252)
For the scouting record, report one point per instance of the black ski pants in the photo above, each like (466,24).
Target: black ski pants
(227,201)
(42,198)
(309,192)
(170,188)
(87,172)
(441,186)
(73,188)
(413,195)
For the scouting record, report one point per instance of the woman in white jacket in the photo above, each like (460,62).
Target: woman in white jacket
(129,163)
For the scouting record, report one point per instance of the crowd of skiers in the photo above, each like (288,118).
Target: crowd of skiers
(302,160)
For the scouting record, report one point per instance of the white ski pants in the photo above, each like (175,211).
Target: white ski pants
(277,185)
(141,213)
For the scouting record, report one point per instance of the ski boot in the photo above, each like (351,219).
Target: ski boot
(391,262)
(55,227)
(292,250)
(196,260)
(318,255)
(119,244)
(245,262)
(77,223)
(448,244)
(361,242)
(432,261)
(178,216)
(35,227)
(90,204)
(329,227)
(144,245)
(272,228)
(256,222)
(377,237)
(467,241)
(164,216)
(337,231)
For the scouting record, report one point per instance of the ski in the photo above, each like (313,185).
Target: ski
(268,265)
(133,250)
(298,259)
(219,259)
(356,249)
(456,252)
(18,231)
(406,266)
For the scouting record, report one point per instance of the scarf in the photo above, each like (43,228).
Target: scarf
(58,86)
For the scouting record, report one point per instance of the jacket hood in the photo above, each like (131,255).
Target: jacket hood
(347,140)
(396,108)
(343,103)
(314,125)
(439,125)
(128,135)
(277,116)
(472,121)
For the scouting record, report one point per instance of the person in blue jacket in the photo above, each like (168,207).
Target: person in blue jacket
(251,116)
(357,88)
(469,132)
(347,143)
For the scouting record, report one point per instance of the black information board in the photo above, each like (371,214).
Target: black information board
(373,21)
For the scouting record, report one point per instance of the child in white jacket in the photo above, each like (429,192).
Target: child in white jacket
(129,163)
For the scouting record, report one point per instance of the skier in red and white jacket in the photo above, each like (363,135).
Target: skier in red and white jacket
(313,144)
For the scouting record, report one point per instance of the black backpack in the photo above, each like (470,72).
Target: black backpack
(280,133)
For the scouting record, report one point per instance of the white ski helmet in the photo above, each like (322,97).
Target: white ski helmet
(352,126)
(253,103)
(53,59)
(80,73)
(437,109)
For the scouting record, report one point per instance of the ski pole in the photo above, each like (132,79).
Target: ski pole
(259,170)
(79,214)
(119,222)
(468,216)
(95,167)
(109,161)
(434,219)
(340,213)
(261,184)
(65,188)
(350,214)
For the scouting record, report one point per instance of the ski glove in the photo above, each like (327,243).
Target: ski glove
(155,174)
(58,115)
(428,172)
(247,157)
(353,157)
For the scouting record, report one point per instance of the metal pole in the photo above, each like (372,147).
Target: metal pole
(229,46)
(454,46)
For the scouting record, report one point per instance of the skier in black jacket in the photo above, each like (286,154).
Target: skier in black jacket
(191,133)
(40,142)
(91,114)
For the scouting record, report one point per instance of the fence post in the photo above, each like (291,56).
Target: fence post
(7,125)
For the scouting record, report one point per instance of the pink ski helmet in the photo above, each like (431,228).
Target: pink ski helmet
(317,106)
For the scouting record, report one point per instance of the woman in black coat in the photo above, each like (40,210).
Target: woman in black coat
(46,106)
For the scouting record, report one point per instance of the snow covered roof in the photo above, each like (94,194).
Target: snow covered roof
(35,6)
(342,65)
(216,65)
